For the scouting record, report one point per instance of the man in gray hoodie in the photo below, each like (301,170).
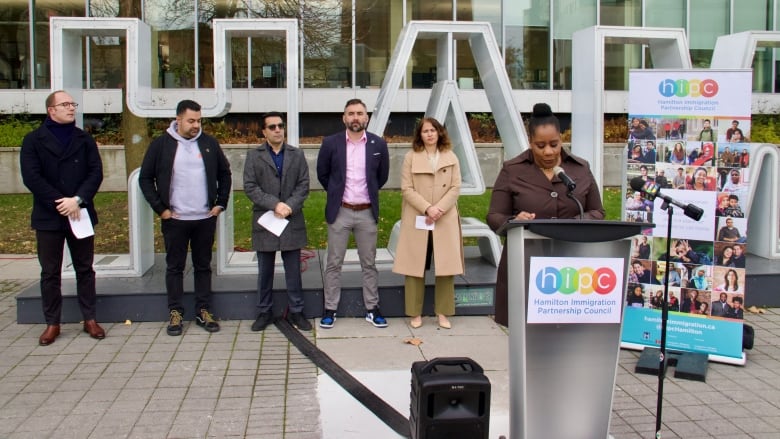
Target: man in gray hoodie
(186,179)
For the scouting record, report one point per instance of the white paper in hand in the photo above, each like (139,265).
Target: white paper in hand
(82,227)
(420,223)
(272,223)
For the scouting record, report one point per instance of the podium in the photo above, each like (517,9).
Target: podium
(562,375)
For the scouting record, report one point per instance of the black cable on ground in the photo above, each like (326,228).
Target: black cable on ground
(386,413)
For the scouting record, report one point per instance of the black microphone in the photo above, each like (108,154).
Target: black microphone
(652,190)
(570,184)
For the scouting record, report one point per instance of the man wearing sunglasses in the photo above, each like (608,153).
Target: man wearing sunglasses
(186,179)
(61,166)
(276,179)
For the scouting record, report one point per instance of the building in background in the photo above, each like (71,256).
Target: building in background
(347,44)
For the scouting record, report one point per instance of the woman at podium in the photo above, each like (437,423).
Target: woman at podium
(530,186)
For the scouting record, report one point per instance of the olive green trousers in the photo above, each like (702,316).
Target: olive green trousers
(444,295)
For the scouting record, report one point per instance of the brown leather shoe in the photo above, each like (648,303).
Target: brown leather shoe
(94,330)
(49,335)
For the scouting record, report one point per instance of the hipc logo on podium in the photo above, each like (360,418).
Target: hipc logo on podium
(575,290)
(569,280)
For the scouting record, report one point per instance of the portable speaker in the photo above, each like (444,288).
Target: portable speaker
(450,399)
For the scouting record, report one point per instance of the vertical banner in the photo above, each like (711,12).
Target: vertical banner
(688,138)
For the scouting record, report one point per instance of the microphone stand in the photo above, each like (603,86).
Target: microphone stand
(664,319)
(570,194)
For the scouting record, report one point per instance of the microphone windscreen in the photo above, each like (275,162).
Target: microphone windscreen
(557,170)
(637,183)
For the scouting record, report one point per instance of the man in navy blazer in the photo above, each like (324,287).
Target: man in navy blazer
(352,166)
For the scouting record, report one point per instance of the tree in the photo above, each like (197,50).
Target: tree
(135,129)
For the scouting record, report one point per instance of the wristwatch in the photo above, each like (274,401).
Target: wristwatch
(78,200)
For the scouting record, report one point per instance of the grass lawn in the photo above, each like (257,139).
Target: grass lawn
(111,234)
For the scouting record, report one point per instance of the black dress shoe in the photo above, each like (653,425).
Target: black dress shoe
(298,320)
(49,335)
(262,322)
(94,330)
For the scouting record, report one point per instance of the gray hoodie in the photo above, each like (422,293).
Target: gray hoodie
(189,192)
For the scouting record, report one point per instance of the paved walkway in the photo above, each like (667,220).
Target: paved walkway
(141,383)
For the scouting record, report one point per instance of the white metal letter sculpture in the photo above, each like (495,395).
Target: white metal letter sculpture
(445,106)
(65,42)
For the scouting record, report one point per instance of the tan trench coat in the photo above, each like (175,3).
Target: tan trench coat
(421,188)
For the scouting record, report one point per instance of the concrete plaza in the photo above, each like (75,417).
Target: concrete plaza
(140,383)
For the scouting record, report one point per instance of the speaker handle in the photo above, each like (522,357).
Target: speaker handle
(452,361)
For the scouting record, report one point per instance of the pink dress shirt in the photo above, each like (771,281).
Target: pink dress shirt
(356,185)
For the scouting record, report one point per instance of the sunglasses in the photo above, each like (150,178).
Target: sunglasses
(273,127)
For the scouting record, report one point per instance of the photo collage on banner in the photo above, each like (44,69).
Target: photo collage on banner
(699,158)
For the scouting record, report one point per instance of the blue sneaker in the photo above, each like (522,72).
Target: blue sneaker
(375,318)
(328,319)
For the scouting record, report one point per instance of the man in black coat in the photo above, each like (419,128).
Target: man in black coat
(186,179)
(61,166)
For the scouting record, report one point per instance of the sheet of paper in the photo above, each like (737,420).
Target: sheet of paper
(82,227)
(272,223)
(420,223)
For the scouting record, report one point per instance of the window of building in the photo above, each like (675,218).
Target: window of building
(665,13)
(709,19)
(14,45)
(536,35)
(568,16)
(756,15)
(256,62)
(620,58)
(377,25)
(483,11)
(527,36)
(173,30)
(268,57)
(105,55)
(423,61)
(327,43)
(776,27)
(44,9)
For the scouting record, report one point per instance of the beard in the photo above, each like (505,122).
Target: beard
(357,127)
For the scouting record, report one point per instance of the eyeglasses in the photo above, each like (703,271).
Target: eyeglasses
(275,126)
(66,105)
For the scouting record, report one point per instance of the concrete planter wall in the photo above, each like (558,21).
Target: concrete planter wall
(114,173)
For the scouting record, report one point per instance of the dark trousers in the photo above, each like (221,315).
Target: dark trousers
(292,276)
(198,235)
(82,252)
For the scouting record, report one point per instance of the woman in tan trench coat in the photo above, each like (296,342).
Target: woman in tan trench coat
(430,185)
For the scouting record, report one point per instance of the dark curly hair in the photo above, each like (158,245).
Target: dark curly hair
(443,144)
